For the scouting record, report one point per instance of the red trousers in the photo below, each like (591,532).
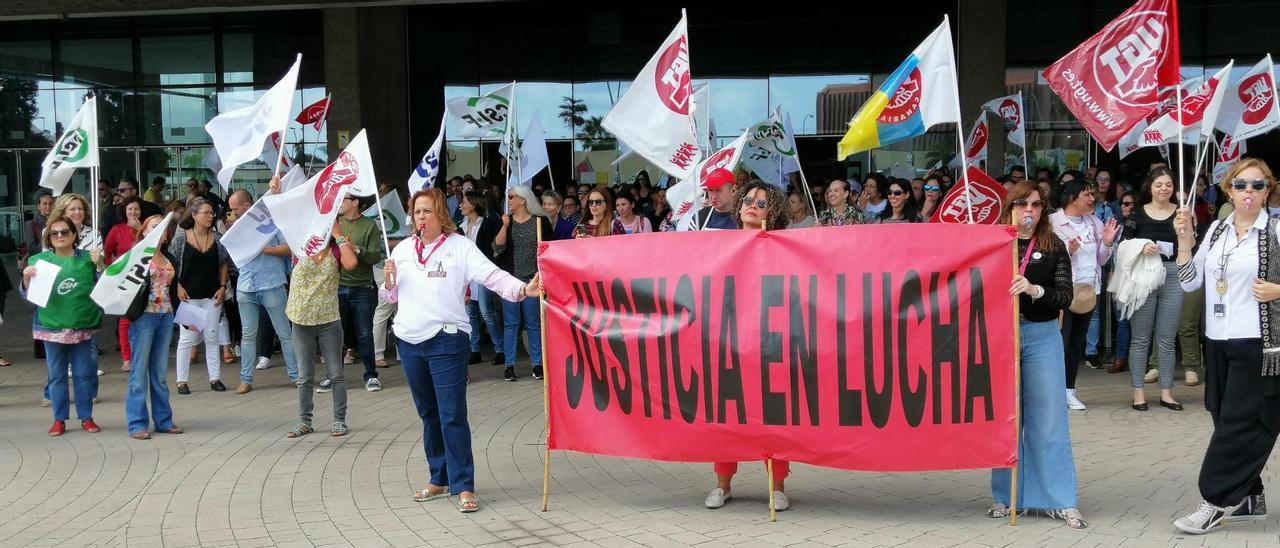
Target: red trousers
(122,331)
(781,469)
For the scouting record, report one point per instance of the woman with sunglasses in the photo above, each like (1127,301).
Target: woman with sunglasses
(632,223)
(120,240)
(761,206)
(149,335)
(201,274)
(75,208)
(436,266)
(1155,323)
(1047,471)
(66,322)
(1239,265)
(598,219)
(1128,201)
(902,206)
(932,196)
(516,250)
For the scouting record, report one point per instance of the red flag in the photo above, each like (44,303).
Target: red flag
(315,113)
(1111,81)
(988,198)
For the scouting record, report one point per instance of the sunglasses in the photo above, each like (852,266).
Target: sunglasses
(124,190)
(595,202)
(1257,184)
(60,233)
(1126,204)
(896,193)
(758,204)
(933,188)
(1038,204)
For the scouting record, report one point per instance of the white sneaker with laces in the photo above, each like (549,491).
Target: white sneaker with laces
(263,363)
(1192,378)
(1152,375)
(1204,519)
(373,385)
(716,498)
(780,501)
(1074,403)
(101,372)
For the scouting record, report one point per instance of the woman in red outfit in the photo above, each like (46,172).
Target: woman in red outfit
(119,241)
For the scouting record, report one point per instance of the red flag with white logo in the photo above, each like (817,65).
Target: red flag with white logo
(315,113)
(988,198)
(1249,107)
(304,215)
(1111,81)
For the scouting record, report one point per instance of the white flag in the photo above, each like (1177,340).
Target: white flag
(77,147)
(1231,152)
(245,240)
(293,178)
(122,280)
(687,196)
(271,152)
(1009,109)
(654,116)
(483,116)
(533,154)
(975,149)
(393,213)
(770,149)
(1249,108)
(239,135)
(1166,102)
(701,111)
(305,215)
(424,175)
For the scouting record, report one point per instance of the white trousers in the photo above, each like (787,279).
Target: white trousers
(189,338)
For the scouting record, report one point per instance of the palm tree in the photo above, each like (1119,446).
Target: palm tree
(594,136)
(572,111)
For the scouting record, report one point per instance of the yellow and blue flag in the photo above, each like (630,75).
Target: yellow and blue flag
(921,92)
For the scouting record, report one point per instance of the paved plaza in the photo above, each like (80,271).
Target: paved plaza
(234,480)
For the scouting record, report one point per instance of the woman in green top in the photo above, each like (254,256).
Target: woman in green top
(67,322)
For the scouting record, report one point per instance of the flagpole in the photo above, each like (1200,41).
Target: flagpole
(324,119)
(1182,200)
(279,154)
(1026,130)
(93,188)
(382,222)
(960,140)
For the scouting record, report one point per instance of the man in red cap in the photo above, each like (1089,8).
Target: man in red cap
(720,185)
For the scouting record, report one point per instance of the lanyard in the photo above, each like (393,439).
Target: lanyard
(1026,258)
(419,245)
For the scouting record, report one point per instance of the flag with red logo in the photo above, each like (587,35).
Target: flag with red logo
(271,152)
(305,214)
(315,113)
(1111,81)
(654,117)
(1009,109)
(687,195)
(975,148)
(1249,107)
(238,135)
(1228,155)
(988,198)
(1201,100)
(1132,141)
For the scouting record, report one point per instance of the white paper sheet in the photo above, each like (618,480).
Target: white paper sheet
(41,285)
(192,316)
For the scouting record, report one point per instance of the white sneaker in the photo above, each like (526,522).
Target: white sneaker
(372,385)
(324,387)
(716,498)
(101,372)
(263,363)
(1152,375)
(1074,403)
(1192,378)
(1205,518)
(780,501)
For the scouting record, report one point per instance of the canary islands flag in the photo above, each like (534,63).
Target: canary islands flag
(920,93)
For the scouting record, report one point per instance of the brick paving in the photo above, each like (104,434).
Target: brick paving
(234,480)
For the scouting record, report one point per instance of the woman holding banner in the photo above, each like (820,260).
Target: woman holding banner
(434,339)
(67,321)
(760,206)
(1242,374)
(1043,285)
(149,335)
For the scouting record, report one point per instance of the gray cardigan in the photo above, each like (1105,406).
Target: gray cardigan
(179,245)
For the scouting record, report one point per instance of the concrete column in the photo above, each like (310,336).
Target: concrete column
(981,60)
(341,73)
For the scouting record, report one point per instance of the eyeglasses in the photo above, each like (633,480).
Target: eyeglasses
(1103,179)
(61,233)
(124,190)
(1257,184)
(595,202)
(758,204)
(1038,204)
(896,193)
(1126,204)
(205,212)
(933,188)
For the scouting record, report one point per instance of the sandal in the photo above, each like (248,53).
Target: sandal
(381,362)
(339,429)
(425,494)
(300,430)
(468,505)
(140,435)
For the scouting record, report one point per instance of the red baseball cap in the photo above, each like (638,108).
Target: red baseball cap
(718,178)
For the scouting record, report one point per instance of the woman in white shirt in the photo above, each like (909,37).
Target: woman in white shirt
(434,267)
(1239,263)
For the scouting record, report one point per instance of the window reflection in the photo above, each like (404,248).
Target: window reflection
(95,62)
(177,60)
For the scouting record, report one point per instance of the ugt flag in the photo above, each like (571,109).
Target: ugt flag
(305,215)
(393,213)
(77,147)
(975,147)
(770,150)
(122,280)
(654,117)
(988,198)
(315,113)
(483,116)
(921,92)
(1249,107)
(1231,152)
(238,135)
(1009,109)
(1112,81)
(1166,103)
(1201,100)
(424,175)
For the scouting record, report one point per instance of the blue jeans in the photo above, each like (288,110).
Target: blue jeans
(1047,480)
(273,300)
(149,337)
(1095,328)
(484,309)
(512,313)
(355,306)
(83,360)
(436,370)
(1122,336)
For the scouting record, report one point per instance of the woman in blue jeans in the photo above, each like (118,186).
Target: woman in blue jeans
(433,268)
(483,305)
(149,336)
(1047,478)
(516,248)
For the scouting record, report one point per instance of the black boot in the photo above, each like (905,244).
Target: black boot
(475,358)
(499,359)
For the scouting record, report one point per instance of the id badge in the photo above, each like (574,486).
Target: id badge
(450,329)
(1219,310)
